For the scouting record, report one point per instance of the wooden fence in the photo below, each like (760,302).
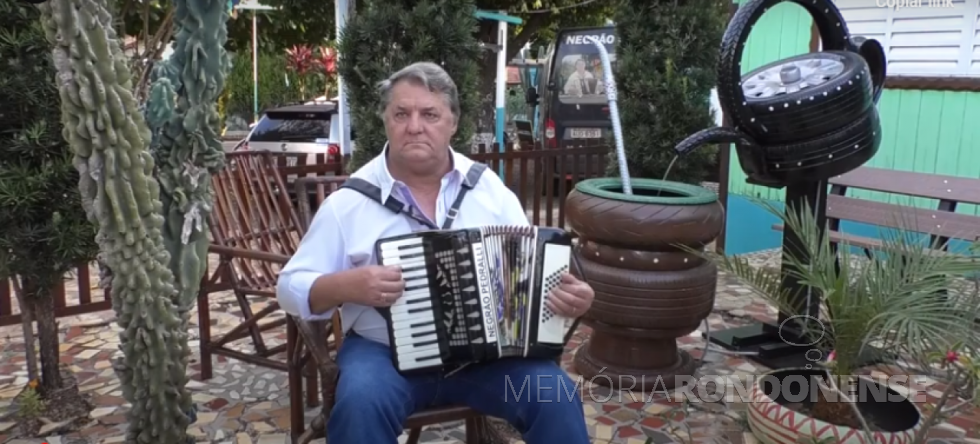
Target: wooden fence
(74,296)
(540,177)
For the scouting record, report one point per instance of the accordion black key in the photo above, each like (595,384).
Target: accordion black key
(475,295)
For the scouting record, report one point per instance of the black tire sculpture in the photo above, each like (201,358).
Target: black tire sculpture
(795,123)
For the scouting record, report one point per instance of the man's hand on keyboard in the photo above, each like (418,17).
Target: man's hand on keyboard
(382,285)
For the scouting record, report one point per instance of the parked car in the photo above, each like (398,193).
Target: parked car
(303,128)
(310,128)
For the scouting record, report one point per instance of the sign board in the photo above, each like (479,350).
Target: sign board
(525,132)
(252,4)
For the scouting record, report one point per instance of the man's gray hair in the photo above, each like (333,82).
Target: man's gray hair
(427,74)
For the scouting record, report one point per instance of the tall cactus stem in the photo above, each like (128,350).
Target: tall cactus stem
(182,112)
(110,138)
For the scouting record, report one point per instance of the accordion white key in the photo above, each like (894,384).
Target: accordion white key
(475,295)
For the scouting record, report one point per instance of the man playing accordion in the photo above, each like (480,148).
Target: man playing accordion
(336,266)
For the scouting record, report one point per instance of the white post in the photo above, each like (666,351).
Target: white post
(501,81)
(342,9)
(255,7)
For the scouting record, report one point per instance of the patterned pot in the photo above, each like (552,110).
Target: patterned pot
(772,422)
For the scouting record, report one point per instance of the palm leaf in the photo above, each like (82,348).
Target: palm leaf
(893,299)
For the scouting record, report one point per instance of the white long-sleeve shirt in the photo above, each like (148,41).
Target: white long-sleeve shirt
(345,228)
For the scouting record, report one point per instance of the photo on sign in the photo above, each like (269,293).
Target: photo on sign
(582,79)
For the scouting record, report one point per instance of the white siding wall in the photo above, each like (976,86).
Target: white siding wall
(920,39)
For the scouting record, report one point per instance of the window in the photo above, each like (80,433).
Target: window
(580,79)
(295,130)
(921,38)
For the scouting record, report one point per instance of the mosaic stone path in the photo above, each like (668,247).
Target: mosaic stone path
(245,404)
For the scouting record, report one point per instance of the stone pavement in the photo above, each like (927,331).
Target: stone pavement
(247,404)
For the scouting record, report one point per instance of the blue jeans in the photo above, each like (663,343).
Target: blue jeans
(373,399)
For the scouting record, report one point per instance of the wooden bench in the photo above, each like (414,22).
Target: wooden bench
(942,224)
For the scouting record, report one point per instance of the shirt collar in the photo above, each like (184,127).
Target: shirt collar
(461,165)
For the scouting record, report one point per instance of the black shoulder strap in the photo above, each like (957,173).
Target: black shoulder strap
(469,182)
(371,191)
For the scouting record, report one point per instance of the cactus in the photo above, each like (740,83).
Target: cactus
(109,139)
(186,142)
(159,107)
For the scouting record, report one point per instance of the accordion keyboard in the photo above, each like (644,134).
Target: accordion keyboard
(416,342)
(440,276)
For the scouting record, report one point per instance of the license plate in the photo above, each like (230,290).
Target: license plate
(579,133)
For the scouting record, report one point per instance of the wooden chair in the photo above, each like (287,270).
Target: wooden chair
(254,230)
(311,342)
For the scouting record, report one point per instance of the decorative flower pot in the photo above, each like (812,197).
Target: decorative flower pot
(648,292)
(779,396)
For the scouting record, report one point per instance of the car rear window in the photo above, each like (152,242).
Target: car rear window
(292,127)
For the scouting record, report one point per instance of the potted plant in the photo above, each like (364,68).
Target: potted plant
(893,300)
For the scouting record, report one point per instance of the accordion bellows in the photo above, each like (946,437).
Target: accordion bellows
(475,295)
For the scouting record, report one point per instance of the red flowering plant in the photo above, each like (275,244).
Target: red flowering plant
(301,61)
(962,378)
(327,67)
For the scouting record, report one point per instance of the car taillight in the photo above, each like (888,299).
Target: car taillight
(549,133)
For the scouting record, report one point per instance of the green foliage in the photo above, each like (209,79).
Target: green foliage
(109,138)
(296,22)
(45,232)
(30,404)
(273,87)
(439,31)
(666,52)
(589,15)
(892,301)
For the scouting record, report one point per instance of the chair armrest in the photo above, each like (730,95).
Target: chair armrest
(249,254)
(314,335)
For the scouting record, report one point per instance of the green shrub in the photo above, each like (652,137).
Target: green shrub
(439,31)
(666,52)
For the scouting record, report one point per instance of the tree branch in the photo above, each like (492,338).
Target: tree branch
(528,30)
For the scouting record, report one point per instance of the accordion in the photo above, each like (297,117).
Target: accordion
(475,295)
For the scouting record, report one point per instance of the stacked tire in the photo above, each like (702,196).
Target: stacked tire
(804,118)
(648,291)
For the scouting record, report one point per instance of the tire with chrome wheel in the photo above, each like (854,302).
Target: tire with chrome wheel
(806,96)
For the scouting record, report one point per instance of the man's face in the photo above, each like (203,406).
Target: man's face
(419,124)
(580,66)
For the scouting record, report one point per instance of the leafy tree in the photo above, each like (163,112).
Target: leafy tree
(296,22)
(666,53)
(45,231)
(439,31)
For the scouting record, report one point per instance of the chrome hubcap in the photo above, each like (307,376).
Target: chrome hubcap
(791,77)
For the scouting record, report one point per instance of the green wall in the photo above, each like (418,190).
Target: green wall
(923,131)
(784,31)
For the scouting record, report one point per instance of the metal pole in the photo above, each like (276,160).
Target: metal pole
(255,65)
(501,84)
(342,9)
(614,114)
